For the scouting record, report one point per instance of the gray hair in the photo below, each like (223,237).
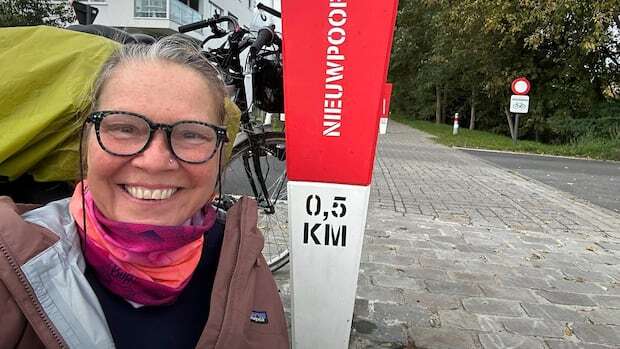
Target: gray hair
(175,49)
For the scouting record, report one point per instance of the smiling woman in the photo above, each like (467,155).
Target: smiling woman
(138,256)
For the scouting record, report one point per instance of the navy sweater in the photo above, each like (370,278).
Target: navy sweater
(178,325)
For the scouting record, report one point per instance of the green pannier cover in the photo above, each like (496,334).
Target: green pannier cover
(45,77)
(46,74)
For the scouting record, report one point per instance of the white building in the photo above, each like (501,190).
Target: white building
(163,17)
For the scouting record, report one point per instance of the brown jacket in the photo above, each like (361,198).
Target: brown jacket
(34,315)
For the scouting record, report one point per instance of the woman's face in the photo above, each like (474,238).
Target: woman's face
(165,93)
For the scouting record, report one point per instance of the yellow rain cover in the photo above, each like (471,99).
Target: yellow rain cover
(45,76)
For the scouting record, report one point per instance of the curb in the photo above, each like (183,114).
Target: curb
(533,154)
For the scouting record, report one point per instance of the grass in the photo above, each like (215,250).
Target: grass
(587,148)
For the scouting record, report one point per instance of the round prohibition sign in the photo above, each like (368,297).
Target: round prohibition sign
(521,86)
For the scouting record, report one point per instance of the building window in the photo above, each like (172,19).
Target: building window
(150,8)
(183,13)
(194,4)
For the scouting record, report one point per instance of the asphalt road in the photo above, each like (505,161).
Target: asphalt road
(595,181)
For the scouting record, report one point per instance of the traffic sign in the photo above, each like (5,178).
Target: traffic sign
(519,104)
(521,86)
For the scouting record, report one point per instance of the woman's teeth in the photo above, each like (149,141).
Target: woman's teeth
(150,194)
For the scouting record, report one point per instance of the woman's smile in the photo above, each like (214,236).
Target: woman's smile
(144,193)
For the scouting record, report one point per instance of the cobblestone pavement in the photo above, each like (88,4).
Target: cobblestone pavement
(461,254)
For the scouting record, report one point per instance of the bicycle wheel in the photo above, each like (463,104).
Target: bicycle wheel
(239,174)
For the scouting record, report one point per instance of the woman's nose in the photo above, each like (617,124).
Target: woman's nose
(157,156)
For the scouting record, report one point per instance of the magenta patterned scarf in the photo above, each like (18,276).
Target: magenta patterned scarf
(144,264)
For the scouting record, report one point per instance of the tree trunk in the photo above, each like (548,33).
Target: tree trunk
(444,103)
(438,105)
(472,111)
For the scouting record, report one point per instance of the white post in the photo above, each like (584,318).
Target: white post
(383,120)
(383,124)
(455,127)
(333,90)
(326,240)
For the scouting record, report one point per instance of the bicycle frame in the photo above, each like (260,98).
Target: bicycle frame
(230,61)
(256,143)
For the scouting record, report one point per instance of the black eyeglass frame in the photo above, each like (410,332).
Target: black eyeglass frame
(97,117)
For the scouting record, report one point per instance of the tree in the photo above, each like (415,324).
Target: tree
(452,55)
(15,13)
(412,49)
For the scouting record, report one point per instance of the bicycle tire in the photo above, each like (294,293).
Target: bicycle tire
(236,183)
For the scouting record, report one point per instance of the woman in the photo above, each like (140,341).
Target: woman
(138,257)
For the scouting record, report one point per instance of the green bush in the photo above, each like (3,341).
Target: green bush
(603,122)
(575,129)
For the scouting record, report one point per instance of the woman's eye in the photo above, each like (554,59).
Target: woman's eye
(126,129)
(122,129)
(193,135)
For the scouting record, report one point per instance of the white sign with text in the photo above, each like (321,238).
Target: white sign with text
(326,227)
(519,104)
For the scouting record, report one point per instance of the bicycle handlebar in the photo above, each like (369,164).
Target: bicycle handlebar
(264,37)
(268,9)
(209,23)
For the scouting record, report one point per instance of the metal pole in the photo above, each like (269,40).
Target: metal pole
(515,135)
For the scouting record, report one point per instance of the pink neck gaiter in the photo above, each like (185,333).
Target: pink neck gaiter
(145,264)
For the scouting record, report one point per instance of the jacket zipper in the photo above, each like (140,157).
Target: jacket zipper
(30,292)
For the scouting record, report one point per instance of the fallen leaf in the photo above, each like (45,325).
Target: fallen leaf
(568,331)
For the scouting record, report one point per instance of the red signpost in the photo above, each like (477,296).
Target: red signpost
(336,56)
(387,96)
(384,114)
(334,75)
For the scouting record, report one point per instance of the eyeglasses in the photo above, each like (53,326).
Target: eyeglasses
(124,133)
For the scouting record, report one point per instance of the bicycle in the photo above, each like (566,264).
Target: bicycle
(257,166)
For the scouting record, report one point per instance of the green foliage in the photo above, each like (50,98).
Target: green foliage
(473,49)
(15,13)
(603,123)
(593,148)
(575,129)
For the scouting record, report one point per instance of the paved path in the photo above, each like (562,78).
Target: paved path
(595,181)
(461,254)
